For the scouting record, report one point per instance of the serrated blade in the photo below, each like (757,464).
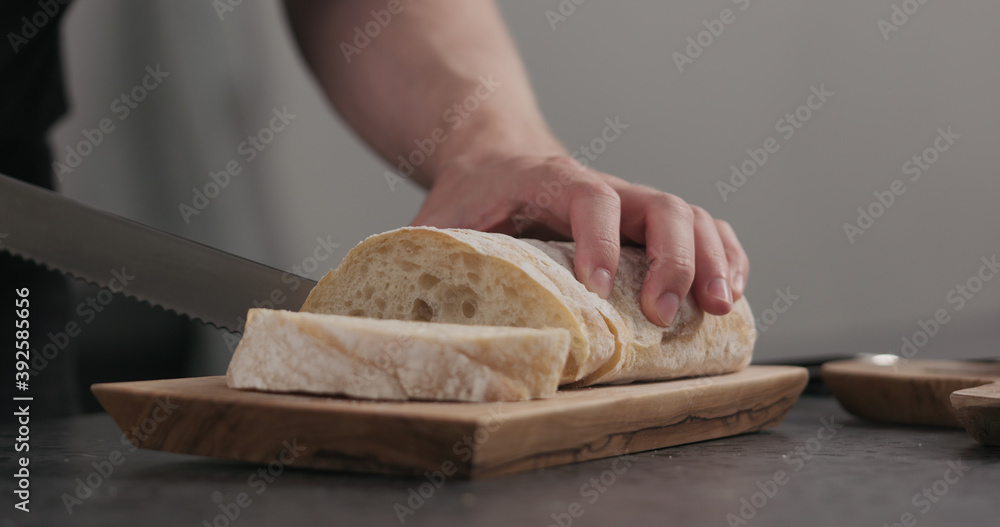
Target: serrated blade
(127,257)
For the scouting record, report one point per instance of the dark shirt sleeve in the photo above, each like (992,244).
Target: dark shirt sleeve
(31,86)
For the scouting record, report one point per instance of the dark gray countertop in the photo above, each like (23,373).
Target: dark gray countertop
(864,474)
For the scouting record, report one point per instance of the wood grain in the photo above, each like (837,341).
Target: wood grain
(467,440)
(925,392)
(978,409)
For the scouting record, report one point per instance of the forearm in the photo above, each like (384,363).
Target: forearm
(405,83)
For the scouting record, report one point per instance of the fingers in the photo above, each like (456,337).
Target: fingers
(595,214)
(739,264)
(711,280)
(670,250)
(688,251)
(565,194)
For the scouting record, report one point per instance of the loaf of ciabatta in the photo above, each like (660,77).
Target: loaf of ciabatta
(461,276)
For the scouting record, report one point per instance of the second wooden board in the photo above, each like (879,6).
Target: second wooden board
(925,392)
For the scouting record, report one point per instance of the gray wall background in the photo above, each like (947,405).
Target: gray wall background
(606,59)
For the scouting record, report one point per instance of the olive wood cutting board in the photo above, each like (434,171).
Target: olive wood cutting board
(202,416)
(926,392)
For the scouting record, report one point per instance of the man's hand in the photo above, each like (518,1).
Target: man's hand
(687,249)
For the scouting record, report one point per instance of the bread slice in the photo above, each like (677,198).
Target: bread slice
(695,344)
(468,277)
(285,351)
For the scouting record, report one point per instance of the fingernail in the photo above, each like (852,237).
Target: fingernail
(720,289)
(738,284)
(600,282)
(666,307)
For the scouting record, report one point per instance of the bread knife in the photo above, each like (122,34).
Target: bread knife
(127,257)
